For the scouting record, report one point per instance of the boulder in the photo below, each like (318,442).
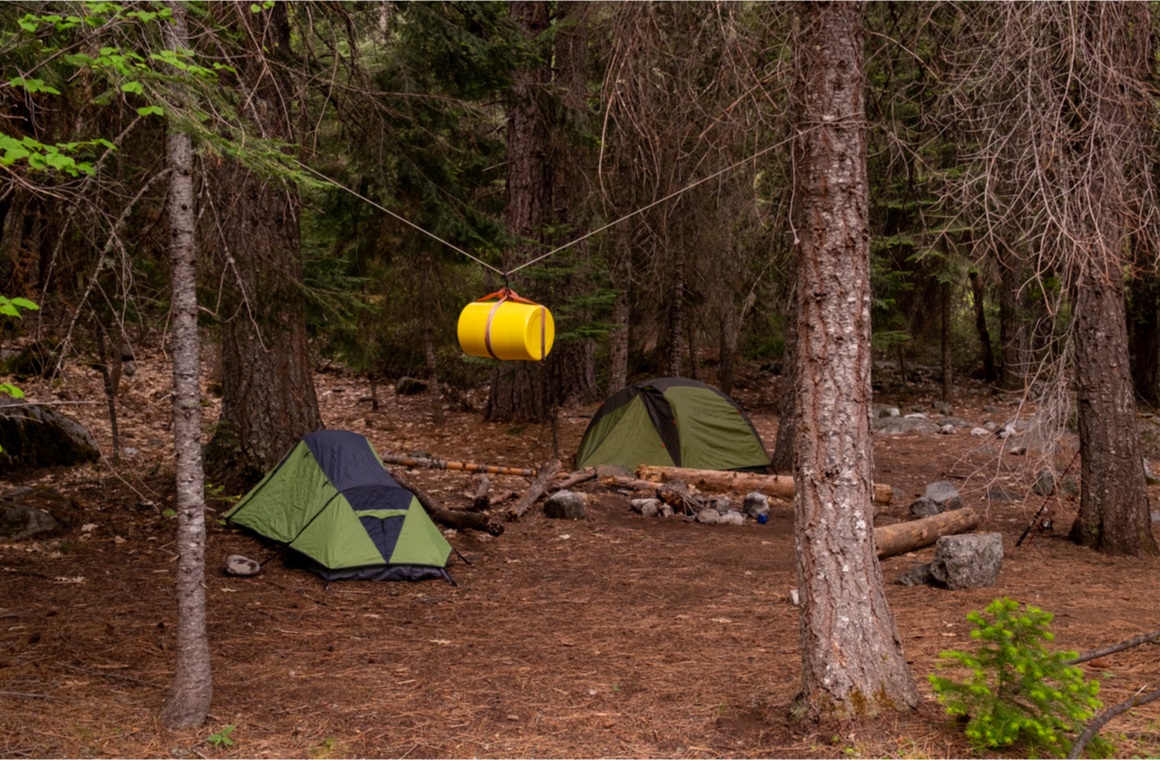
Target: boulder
(903,425)
(409,386)
(708,516)
(944,495)
(924,507)
(755,505)
(37,436)
(969,560)
(640,505)
(732,517)
(241,566)
(919,575)
(1044,482)
(22,521)
(566,505)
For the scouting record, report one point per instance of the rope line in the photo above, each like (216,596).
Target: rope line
(402,219)
(565,246)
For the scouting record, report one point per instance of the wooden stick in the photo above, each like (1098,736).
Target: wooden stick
(1135,641)
(479,501)
(571,479)
(452,518)
(621,481)
(780,486)
(443,464)
(915,534)
(1101,720)
(535,491)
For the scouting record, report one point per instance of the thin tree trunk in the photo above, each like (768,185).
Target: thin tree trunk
(187,702)
(948,363)
(978,292)
(852,662)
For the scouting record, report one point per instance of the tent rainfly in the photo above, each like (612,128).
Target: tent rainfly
(342,515)
(673,422)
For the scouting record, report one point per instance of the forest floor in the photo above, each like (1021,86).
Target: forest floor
(617,636)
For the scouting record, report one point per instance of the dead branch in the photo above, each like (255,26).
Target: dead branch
(480,501)
(572,479)
(621,481)
(534,491)
(443,464)
(452,518)
(1102,719)
(1135,641)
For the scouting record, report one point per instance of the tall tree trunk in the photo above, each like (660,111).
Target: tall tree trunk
(1144,337)
(514,394)
(572,363)
(852,662)
(268,396)
(1014,329)
(621,310)
(187,702)
(947,342)
(978,292)
(1114,516)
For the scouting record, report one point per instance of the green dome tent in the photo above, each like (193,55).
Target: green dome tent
(342,515)
(672,421)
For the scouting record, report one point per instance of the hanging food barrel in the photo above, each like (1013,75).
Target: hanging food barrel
(504,326)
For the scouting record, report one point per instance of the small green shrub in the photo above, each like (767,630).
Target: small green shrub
(1016,690)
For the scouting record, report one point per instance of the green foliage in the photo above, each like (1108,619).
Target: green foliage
(1016,691)
(222,738)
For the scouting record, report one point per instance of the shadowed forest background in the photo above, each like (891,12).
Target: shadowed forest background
(225,225)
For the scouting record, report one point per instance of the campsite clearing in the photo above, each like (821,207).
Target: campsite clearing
(614,636)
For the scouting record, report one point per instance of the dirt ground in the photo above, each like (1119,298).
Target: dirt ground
(618,636)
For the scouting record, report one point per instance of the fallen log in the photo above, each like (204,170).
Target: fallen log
(621,481)
(915,534)
(443,464)
(780,486)
(452,518)
(535,491)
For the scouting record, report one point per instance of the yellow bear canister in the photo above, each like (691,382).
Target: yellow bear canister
(504,326)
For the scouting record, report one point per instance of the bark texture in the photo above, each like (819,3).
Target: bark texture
(187,702)
(516,394)
(268,397)
(852,663)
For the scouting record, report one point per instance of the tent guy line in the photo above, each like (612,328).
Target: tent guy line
(565,246)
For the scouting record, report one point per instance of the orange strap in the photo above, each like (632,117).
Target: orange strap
(507,294)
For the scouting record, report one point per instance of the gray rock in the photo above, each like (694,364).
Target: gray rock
(639,505)
(22,521)
(650,510)
(919,575)
(882,410)
(1000,493)
(37,436)
(1017,451)
(946,429)
(903,425)
(1044,482)
(409,386)
(731,517)
(722,504)
(708,516)
(755,504)
(970,560)
(666,510)
(991,427)
(241,566)
(924,507)
(566,505)
(943,408)
(958,422)
(944,494)
(917,416)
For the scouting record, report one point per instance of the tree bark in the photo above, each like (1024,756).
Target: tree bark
(515,395)
(1114,516)
(978,291)
(852,662)
(268,397)
(187,702)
